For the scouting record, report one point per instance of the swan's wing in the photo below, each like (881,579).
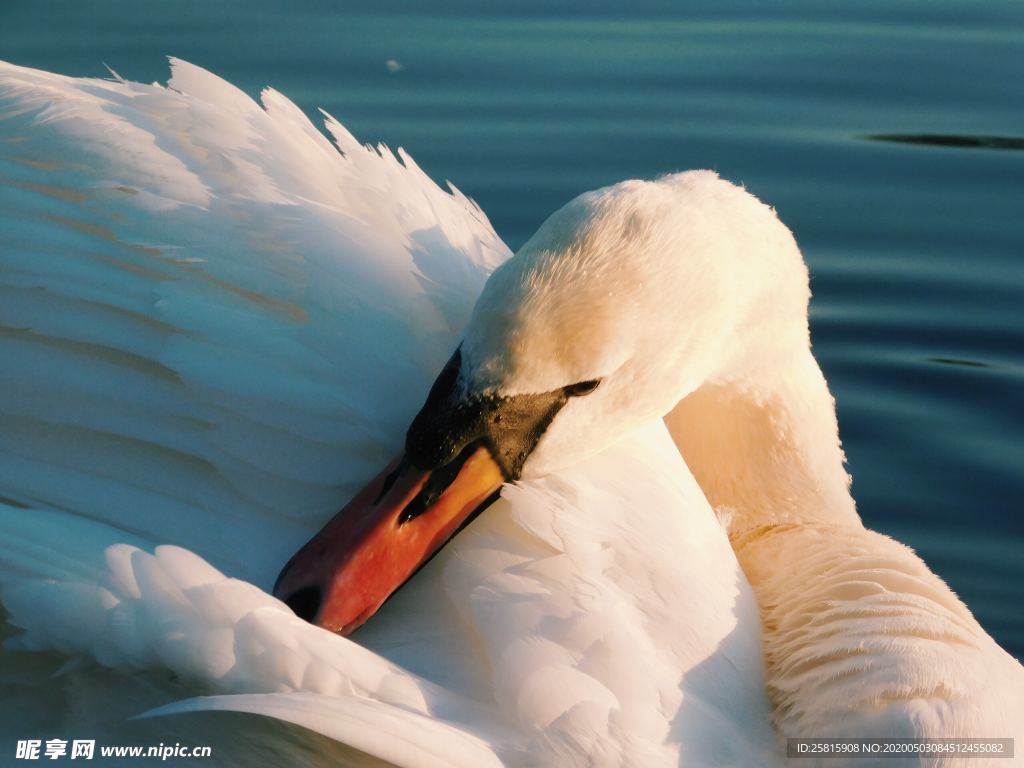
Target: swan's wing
(214,323)
(402,738)
(170,610)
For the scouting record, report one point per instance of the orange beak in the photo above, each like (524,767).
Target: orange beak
(344,573)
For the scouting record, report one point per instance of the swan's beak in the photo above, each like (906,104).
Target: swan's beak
(393,526)
(460,448)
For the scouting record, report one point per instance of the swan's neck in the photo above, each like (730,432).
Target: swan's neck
(765,448)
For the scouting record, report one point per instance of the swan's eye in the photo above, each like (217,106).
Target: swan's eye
(582,388)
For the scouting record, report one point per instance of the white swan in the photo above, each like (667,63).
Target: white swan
(184,366)
(216,326)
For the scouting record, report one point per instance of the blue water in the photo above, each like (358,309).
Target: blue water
(916,242)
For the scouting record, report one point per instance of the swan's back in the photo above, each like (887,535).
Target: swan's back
(863,640)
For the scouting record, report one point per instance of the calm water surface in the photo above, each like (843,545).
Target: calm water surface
(887,136)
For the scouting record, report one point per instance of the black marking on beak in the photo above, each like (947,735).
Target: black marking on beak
(508,426)
(451,421)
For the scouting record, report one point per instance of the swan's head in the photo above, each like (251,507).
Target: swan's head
(622,303)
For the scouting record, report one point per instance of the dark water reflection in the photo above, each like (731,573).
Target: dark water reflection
(915,238)
(960,142)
